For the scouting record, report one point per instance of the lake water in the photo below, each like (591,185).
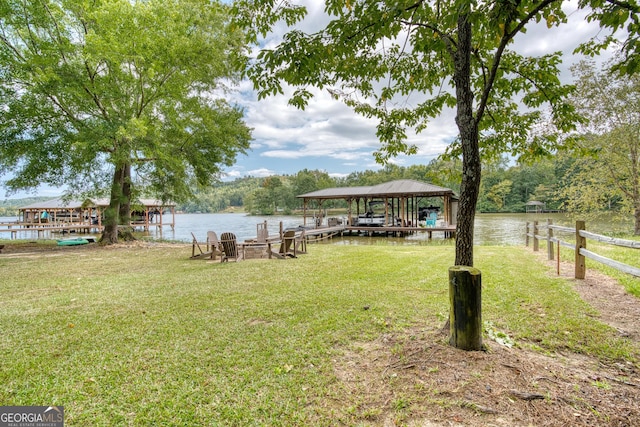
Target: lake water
(501,229)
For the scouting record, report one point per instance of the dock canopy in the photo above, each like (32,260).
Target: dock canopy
(89,212)
(404,197)
(534,206)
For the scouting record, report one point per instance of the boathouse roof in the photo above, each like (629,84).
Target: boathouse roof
(75,204)
(398,188)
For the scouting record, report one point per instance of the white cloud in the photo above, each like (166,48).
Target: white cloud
(329,136)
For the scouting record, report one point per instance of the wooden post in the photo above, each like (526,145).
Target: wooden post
(526,241)
(465,313)
(549,242)
(581,243)
(558,259)
(536,243)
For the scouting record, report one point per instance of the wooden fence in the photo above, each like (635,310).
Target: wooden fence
(579,236)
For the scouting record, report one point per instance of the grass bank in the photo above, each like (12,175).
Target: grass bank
(133,335)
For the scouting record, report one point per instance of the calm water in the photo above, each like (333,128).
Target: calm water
(502,229)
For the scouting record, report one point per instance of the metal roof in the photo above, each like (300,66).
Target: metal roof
(75,204)
(401,187)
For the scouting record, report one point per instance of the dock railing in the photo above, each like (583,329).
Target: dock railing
(536,232)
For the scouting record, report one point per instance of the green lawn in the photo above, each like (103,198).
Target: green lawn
(629,256)
(143,335)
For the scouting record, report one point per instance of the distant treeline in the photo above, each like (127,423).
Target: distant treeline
(505,188)
(9,207)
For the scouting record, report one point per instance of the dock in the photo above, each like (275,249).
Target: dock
(40,229)
(74,216)
(328,232)
(15,228)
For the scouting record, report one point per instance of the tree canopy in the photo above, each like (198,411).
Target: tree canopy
(118,96)
(608,169)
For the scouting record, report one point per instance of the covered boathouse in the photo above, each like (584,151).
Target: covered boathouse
(70,215)
(398,207)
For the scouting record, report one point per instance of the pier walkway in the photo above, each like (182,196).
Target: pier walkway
(327,232)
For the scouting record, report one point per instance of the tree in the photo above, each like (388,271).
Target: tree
(498,193)
(373,55)
(118,95)
(611,171)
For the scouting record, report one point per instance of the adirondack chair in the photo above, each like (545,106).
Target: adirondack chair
(287,246)
(195,244)
(430,222)
(213,244)
(231,248)
(262,233)
(300,243)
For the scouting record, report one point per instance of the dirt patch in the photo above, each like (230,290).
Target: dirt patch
(418,379)
(415,378)
(615,306)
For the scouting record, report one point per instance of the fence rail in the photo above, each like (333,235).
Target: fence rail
(580,236)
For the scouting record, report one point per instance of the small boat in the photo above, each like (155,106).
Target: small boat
(73,242)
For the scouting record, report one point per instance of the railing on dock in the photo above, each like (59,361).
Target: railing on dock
(14,228)
(579,236)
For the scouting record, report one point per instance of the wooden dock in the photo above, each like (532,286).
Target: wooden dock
(14,228)
(328,232)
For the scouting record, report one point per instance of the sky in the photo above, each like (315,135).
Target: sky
(329,136)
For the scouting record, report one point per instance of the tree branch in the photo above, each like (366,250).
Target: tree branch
(625,5)
(506,38)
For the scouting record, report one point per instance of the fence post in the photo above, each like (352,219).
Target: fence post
(549,237)
(536,244)
(526,234)
(581,243)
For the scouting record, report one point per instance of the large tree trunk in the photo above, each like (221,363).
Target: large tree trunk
(125,231)
(636,229)
(471,164)
(125,200)
(111,214)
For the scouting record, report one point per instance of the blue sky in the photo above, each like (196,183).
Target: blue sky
(329,136)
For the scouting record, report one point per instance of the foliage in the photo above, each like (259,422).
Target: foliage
(118,97)
(609,174)
(222,196)
(9,207)
(546,180)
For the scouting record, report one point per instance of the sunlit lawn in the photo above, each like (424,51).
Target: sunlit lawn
(145,336)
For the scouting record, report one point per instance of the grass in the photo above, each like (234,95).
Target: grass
(625,255)
(621,254)
(130,336)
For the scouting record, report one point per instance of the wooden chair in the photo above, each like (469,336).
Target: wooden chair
(231,248)
(262,233)
(300,243)
(287,246)
(195,244)
(213,244)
